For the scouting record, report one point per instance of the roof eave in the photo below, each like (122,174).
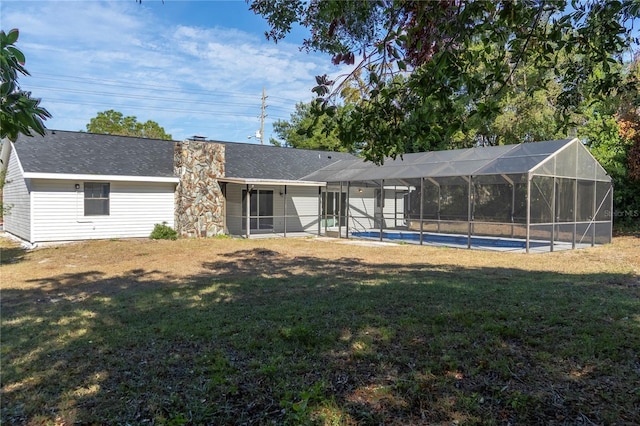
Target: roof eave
(112,178)
(253,181)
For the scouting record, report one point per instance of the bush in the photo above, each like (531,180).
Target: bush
(163,232)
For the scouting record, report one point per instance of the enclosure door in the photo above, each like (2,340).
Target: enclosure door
(334,208)
(260,209)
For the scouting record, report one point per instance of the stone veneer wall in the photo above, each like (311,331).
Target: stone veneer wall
(198,199)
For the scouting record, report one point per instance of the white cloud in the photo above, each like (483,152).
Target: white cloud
(91,56)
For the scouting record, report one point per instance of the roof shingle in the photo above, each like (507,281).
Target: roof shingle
(95,154)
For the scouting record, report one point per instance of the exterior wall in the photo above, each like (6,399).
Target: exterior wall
(134,209)
(16,200)
(301,209)
(199,200)
(362,212)
(364,215)
(393,208)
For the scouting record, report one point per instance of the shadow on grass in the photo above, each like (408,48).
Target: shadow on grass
(11,254)
(262,338)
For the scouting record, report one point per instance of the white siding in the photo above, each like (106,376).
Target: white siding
(364,215)
(134,208)
(302,208)
(393,208)
(17,200)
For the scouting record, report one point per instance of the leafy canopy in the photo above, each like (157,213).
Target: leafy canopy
(19,112)
(308,131)
(112,122)
(420,59)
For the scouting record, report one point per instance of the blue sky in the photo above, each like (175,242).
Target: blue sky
(194,67)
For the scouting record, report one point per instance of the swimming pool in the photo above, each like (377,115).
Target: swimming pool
(449,239)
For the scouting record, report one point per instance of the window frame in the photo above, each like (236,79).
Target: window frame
(97,195)
(261,204)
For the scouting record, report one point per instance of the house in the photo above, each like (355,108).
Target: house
(75,186)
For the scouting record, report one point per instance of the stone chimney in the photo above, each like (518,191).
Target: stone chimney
(198,199)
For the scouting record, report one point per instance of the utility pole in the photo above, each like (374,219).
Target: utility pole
(263,115)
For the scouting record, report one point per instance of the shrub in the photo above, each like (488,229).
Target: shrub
(163,232)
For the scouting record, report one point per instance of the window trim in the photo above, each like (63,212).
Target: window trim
(105,207)
(257,221)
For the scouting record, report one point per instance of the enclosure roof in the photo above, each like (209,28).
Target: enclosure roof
(507,159)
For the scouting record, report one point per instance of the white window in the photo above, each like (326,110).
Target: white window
(96,199)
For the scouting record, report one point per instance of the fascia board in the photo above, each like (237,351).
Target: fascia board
(242,181)
(113,178)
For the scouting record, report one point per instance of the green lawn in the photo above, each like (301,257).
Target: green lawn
(259,337)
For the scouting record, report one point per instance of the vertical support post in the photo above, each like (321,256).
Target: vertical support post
(346,209)
(395,206)
(575,212)
(594,208)
(553,214)
(610,191)
(320,211)
(285,210)
(439,198)
(528,220)
(340,211)
(421,208)
(469,215)
(381,207)
(513,207)
(247,202)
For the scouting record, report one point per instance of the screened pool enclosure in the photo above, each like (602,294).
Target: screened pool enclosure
(533,196)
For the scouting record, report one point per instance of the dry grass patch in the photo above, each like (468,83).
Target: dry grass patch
(306,331)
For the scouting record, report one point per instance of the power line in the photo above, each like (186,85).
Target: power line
(225,113)
(116,83)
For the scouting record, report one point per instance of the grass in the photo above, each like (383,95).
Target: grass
(304,331)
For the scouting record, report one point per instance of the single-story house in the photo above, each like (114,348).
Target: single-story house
(76,186)
(69,186)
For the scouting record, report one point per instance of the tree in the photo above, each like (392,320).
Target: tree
(308,131)
(437,47)
(19,112)
(611,130)
(115,123)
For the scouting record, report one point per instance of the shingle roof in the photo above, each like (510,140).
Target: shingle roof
(271,162)
(95,154)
